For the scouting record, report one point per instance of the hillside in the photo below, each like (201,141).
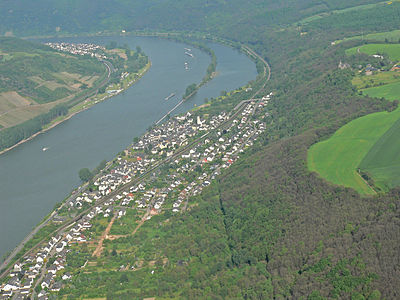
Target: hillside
(35,78)
(212,16)
(363,153)
(43,85)
(267,227)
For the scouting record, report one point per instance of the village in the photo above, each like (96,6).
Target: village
(80,49)
(159,172)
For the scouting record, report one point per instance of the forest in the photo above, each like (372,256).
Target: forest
(267,228)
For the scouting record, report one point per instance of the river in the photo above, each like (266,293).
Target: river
(33,181)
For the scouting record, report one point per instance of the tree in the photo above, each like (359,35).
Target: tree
(102,90)
(112,45)
(124,278)
(85,174)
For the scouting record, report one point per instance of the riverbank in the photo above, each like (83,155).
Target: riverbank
(84,105)
(156,98)
(160,161)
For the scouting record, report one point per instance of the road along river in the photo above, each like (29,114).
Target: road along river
(32,181)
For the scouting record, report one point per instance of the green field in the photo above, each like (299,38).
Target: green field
(392,50)
(391,36)
(339,11)
(375,80)
(389,91)
(370,143)
(383,160)
(338,158)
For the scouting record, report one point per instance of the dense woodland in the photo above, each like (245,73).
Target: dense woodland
(267,228)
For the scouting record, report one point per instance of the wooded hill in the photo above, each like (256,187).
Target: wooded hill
(269,228)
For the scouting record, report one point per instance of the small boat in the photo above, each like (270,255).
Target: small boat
(189,54)
(44,149)
(169,97)
(188,49)
(186,66)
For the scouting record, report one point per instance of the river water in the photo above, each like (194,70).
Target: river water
(33,181)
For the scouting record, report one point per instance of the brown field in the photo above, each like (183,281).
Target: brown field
(120,52)
(12,100)
(23,113)
(15,109)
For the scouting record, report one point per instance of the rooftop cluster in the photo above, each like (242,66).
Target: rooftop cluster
(80,49)
(159,172)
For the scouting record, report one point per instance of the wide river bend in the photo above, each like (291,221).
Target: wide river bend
(32,181)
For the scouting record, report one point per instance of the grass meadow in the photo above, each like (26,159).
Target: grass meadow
(391,50)
(338,158)
(382,162)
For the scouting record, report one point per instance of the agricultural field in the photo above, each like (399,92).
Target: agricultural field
(382,162)
(369,144)
(375,80)
(340,11)
(16,109)
(52,78)
(391,50)
(390,36)
(389,91)
(338,158)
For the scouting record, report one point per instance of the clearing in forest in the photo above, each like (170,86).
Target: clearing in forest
(382,162)
(370,144)
(389,91)
(338,158)
(391,50)
(390,36)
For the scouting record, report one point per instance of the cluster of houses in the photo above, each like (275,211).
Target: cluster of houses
(166,138)
(80,49)
(210,155)
(36,266)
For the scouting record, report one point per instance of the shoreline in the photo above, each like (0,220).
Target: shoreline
(69,116)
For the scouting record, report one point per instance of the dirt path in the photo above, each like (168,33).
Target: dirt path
(99,249)
(118,236)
